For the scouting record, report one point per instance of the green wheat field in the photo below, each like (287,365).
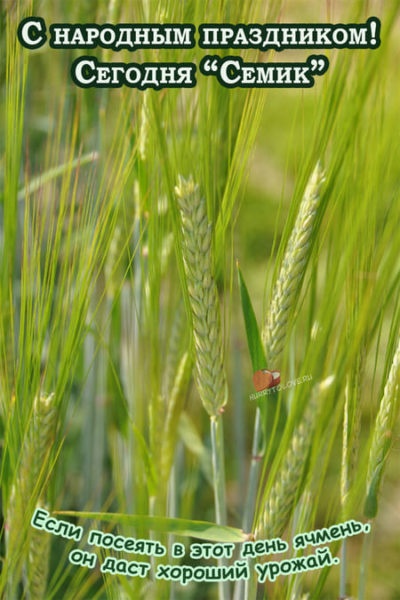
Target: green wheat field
(157,249)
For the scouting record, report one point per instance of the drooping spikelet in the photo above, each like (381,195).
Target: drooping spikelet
(382,436)
(196,248)
(287,286)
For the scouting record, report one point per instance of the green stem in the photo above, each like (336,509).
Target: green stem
(172,512)
(218,464)
(343,570)
(344,490)
(217,444)
(366,548)
(248,589)
(255,465)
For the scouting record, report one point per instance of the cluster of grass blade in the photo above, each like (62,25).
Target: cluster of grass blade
(344,314)
(119,312)
(89,293)
(333,330)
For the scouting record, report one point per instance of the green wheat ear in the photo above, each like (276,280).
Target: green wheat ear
(206,326)
(288,284)
(27,493)
(283,301)
(203,296)
(286,489)
(37,564)
(382,436)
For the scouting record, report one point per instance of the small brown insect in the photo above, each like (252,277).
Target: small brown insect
(265,379)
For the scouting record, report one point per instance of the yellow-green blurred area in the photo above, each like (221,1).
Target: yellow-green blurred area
(288,126)
(251,152)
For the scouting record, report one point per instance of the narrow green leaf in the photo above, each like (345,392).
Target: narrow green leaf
(256,349)
(184,527)
(273,413)
(37,182)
